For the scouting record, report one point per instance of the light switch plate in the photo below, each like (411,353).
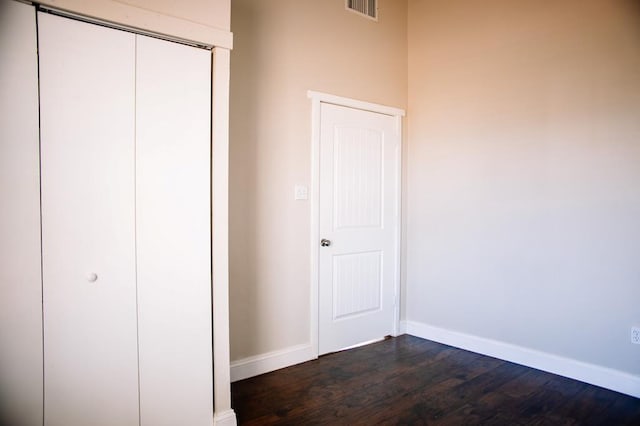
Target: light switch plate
(301,192)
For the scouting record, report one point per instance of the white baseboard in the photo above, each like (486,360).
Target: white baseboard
(402,327)
(260,364)
(225,418)
(589,373)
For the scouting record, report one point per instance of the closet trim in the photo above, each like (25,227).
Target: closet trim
(120,27)
(140,21)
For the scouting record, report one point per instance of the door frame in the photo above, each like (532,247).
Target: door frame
(317,99)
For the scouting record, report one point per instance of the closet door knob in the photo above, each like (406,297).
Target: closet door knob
(92,277)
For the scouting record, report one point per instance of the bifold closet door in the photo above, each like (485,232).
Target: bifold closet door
(126,227)
(173,103)
(20,288)
(87,103)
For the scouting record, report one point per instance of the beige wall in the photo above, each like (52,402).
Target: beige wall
(282,48)
(524,174)
(521,178)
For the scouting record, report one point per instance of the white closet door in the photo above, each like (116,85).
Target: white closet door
(20,283)
(87,82)
(173,96)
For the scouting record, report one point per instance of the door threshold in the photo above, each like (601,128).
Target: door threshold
(357,345)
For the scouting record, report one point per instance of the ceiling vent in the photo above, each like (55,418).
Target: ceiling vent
(367,8)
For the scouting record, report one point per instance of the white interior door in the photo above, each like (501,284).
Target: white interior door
(87,90)
(173,175)
(20,283)
(359,193)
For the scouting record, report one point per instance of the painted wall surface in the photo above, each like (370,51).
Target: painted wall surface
(524,174)
(282,48)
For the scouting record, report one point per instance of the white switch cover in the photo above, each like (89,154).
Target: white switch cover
(301,192)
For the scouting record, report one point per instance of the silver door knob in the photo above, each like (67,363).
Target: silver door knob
(92,277)
(325,243)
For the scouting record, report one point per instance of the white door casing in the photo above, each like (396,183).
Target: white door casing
(358,212)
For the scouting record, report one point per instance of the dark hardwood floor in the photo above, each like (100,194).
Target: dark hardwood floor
(411,381)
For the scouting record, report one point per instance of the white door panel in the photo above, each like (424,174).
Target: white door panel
(20,281)
(358,213)
(357,284)
(87,146)
(358,173)
(173,157)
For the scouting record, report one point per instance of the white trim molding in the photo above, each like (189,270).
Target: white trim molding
(354,103)
(143,20)
(402,328)
(589,373)
(318,98)
(220,234)
(271,361)
(226,418)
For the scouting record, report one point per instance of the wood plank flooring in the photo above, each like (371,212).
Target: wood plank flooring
(411,381)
